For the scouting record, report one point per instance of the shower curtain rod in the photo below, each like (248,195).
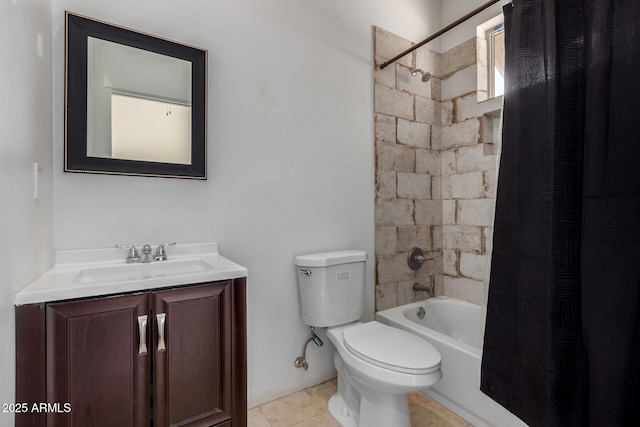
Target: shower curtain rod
(441,32)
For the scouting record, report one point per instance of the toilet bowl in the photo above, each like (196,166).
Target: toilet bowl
(377,365)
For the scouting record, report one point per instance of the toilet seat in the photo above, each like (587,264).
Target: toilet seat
(391,348)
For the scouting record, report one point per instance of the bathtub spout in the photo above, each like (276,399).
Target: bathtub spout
(417,287)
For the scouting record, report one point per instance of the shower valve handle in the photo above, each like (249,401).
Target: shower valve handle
(416,258)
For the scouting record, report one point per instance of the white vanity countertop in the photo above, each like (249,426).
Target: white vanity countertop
(94,272)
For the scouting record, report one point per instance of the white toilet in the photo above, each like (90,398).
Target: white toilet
(377,365)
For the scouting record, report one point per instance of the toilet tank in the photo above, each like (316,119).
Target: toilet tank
(331,287)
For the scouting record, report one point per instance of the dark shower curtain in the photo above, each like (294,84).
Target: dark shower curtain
(562,342)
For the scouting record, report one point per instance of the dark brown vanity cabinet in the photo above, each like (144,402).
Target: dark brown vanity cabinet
(168,357)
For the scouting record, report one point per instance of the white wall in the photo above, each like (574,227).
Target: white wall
(290,153)
(25,120)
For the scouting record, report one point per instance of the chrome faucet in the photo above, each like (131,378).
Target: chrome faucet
(134,257)
(417,287)
(146,253)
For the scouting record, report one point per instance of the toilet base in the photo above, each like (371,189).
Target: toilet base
(340,412)
(379,409)
(376,411)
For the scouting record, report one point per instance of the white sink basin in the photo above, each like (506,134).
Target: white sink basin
(141,271)
(92,272)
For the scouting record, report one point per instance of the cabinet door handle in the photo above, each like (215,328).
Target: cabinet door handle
(161,318)
(142,328)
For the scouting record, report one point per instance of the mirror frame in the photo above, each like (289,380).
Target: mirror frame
(77,30)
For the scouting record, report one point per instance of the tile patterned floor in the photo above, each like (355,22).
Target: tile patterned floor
(308,408)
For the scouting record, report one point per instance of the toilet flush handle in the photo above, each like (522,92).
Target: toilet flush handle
(305,272)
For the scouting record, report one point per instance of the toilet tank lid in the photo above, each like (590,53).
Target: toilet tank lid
(326,259)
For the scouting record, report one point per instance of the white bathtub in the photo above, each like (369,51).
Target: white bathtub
(456,329)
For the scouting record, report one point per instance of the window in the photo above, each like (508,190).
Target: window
(495,40)
(490,58)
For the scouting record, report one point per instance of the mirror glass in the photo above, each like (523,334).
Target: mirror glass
(135,104)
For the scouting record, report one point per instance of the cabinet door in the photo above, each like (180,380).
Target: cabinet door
(192,370)
(95,362)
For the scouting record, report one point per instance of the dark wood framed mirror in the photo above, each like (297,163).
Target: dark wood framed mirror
(135,104)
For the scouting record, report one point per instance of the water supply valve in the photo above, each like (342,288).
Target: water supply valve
(301,361)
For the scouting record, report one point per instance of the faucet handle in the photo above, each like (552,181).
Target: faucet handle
(161,255)
(133,253)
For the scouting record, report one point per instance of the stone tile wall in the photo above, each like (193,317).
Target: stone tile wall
(408,171)
(435,172)
(468,175)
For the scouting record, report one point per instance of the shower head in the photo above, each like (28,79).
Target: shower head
(425,74)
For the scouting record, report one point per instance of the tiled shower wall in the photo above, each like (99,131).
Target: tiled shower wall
(435,172)
(408,171)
